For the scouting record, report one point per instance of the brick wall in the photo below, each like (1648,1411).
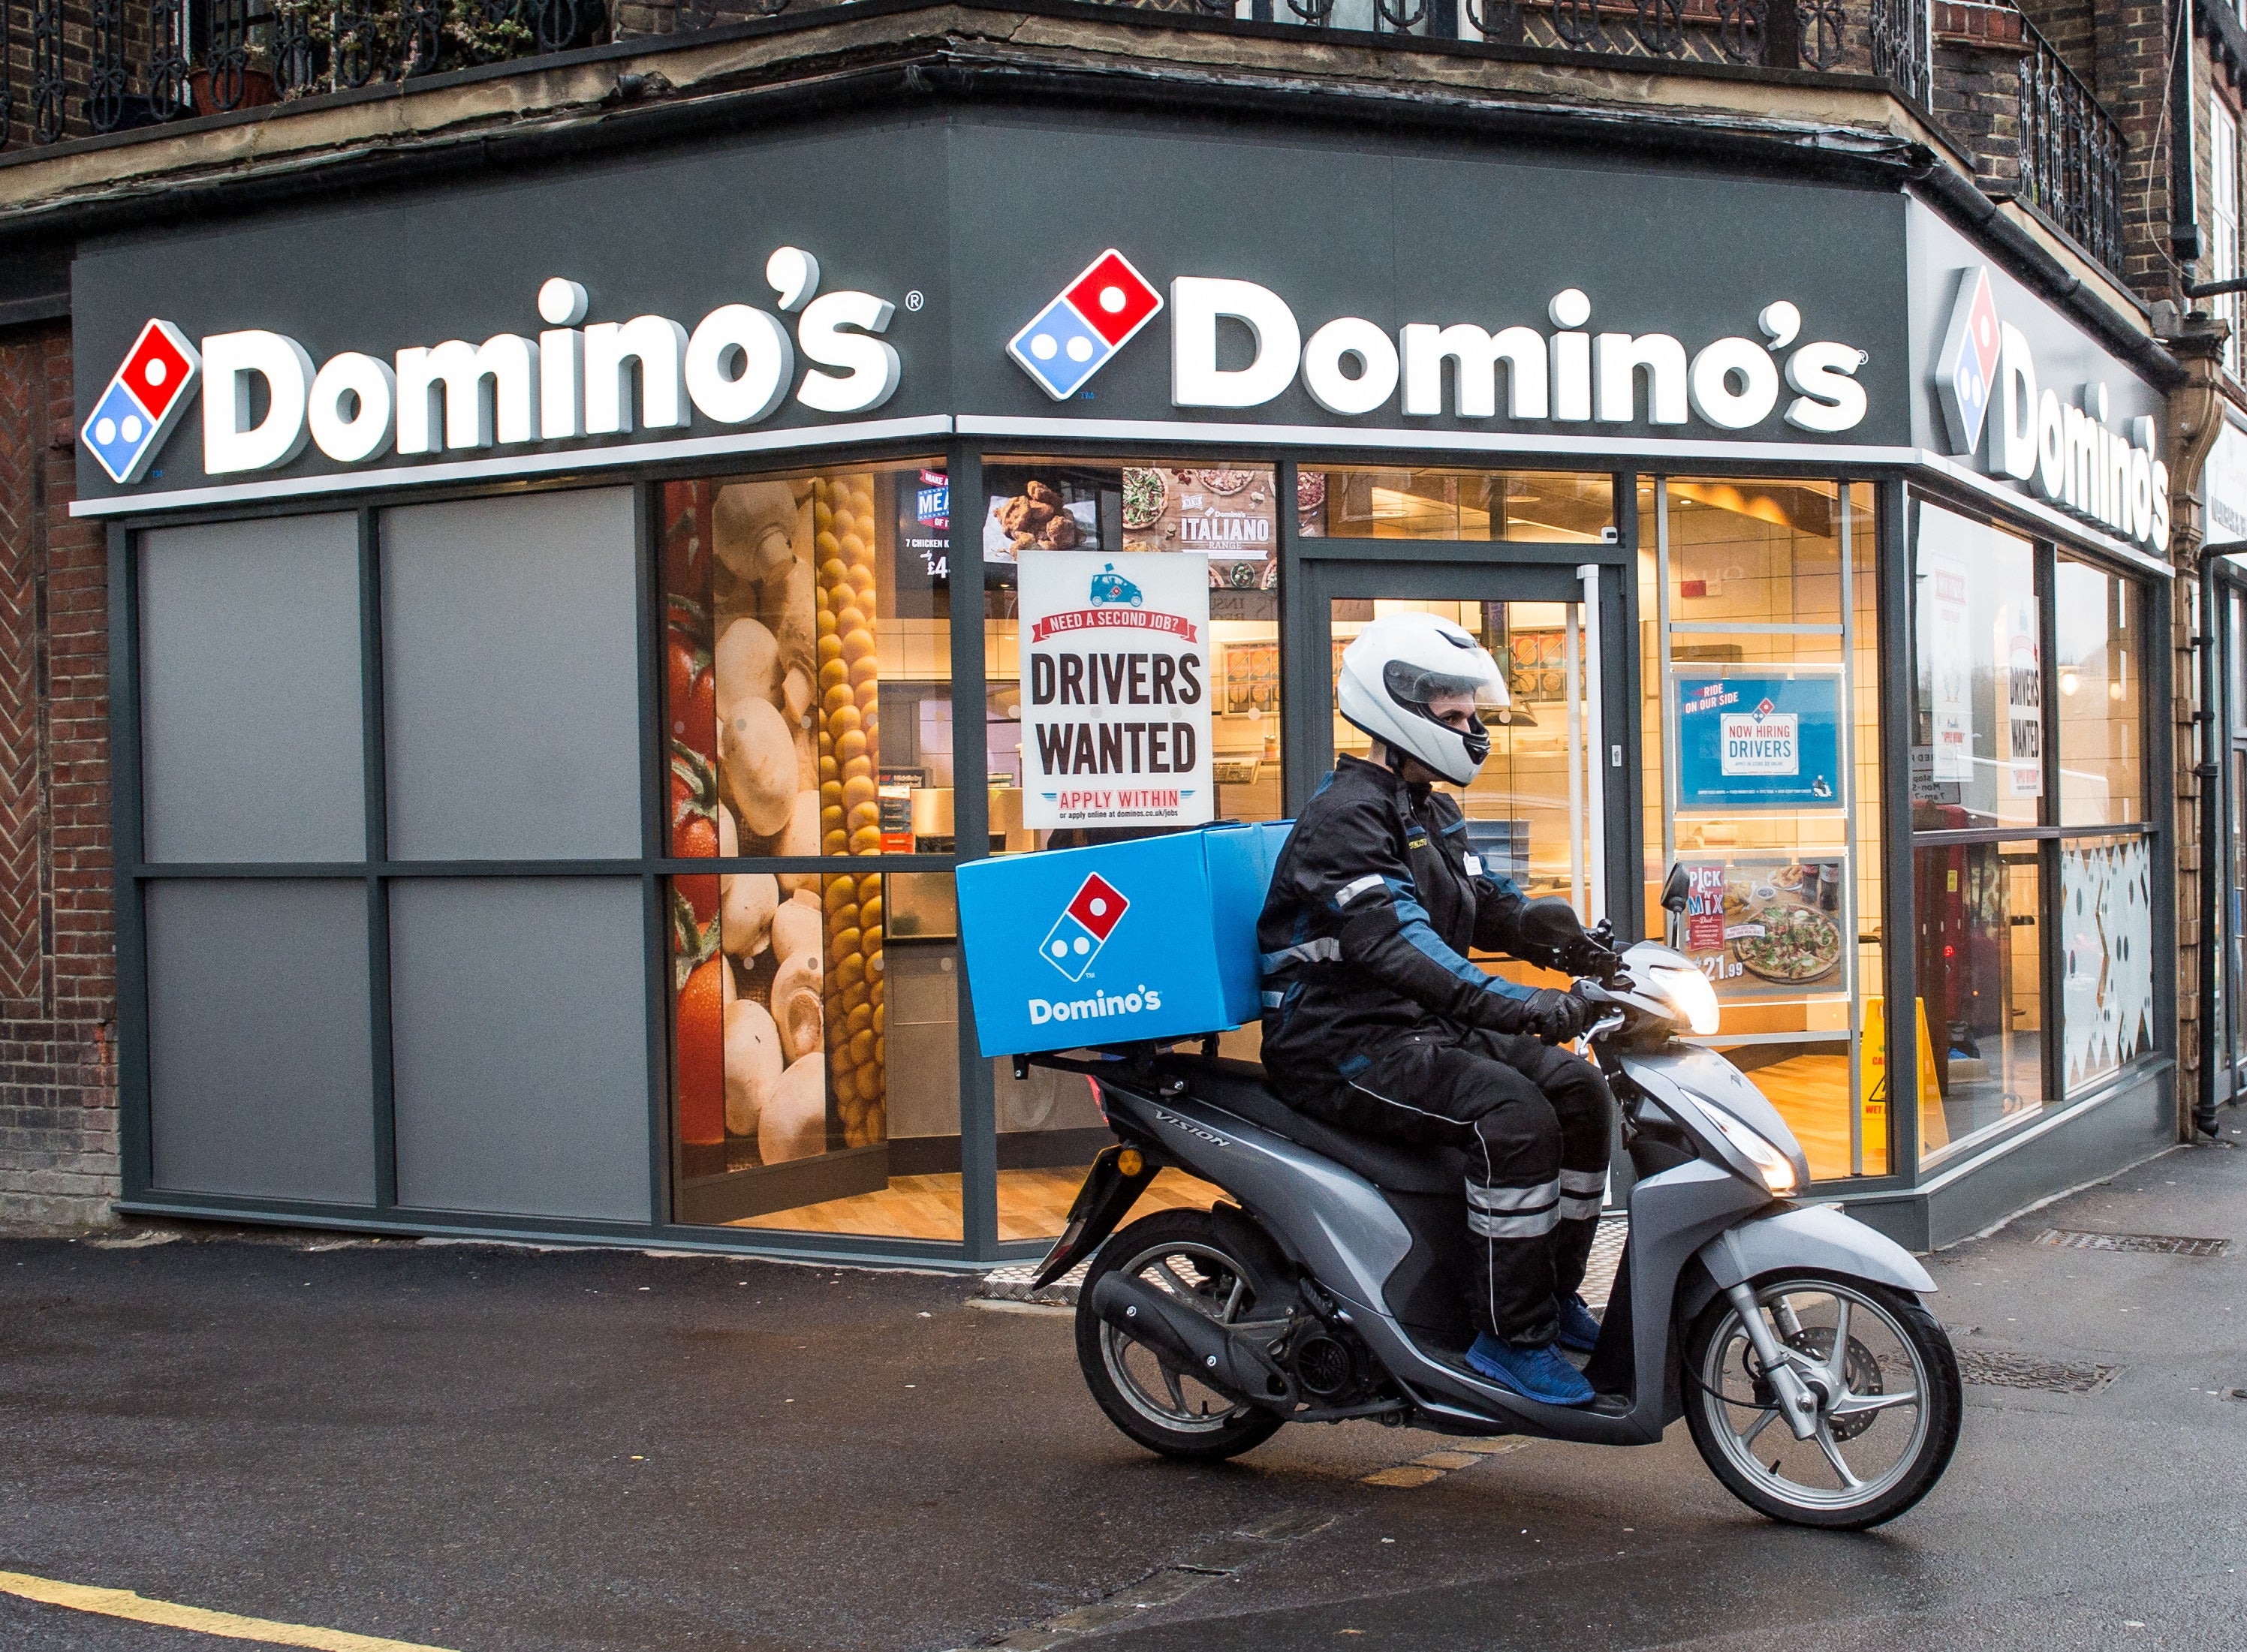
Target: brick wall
(2132,55)
(59,1148)
(2066,25)
(1976,86)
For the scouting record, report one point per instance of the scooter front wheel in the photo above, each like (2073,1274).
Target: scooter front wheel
(1886,1383)
(1162,1406)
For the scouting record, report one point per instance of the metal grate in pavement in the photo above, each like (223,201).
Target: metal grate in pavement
(2160,1244)
(1012,1283)
(1990,1369)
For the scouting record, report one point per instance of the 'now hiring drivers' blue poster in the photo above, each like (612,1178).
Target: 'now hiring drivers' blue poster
(1759,742)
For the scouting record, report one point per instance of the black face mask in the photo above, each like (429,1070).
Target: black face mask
(1478,740)
(1474,736)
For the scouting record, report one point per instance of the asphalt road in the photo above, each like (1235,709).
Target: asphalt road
(488,1450)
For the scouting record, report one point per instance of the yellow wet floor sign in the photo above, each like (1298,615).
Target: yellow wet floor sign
(139,1609)
(1934,1128)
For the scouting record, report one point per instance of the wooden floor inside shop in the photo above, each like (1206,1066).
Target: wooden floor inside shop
(1810,1092)
(1033,1204)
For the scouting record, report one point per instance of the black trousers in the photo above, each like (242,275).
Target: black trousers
(1535,1122)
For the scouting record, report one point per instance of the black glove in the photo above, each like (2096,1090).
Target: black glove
(1588,956)
(1555,1016)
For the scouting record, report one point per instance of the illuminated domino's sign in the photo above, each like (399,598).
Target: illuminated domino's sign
(265,400)
(1985,377)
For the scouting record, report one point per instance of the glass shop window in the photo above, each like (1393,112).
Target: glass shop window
(1759,635)
(808,712)
(1525,506)
(2032,860)
(1230,512)
(1978,677)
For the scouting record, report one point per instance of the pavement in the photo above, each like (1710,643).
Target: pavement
(484,1449)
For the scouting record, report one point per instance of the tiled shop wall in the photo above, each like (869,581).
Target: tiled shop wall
(58,1144)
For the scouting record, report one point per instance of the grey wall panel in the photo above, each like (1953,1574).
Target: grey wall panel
(519,1040)
(259,1073)
(249,691)
(511,678)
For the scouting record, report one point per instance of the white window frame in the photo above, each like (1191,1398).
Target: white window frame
(2224,213)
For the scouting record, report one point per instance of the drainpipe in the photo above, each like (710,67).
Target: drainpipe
(2184,209)
(2212,847)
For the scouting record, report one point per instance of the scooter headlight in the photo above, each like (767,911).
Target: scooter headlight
(1687,990)
(1772,1164)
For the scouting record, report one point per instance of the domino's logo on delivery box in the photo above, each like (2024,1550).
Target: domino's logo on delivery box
(1083,927)
(1071,945)
(143,402)
(1095,316)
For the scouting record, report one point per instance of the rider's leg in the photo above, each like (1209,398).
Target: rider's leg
(1585,1109)
(1427,1090)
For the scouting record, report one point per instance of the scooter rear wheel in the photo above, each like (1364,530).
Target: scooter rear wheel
(1888,1401)
(1166,1410)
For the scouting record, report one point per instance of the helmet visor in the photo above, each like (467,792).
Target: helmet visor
(1474,680)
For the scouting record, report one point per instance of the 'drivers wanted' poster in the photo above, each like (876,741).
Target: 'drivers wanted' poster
(1115,654)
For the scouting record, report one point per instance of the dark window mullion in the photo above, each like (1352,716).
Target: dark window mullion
(655,819)
(375,754)
(2051,956)
(965,606)
(1895,728)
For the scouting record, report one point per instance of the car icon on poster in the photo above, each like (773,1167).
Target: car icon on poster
(1111,588)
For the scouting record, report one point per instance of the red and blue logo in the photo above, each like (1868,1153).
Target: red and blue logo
(1966,369)
(143,402)
(1095,316)
(1083,928)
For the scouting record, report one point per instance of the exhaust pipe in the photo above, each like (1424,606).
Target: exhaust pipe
(1188,1341)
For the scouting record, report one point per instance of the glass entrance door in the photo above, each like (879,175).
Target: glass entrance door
(1541,810)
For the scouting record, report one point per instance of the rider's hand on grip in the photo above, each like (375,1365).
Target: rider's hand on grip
(1554,1016)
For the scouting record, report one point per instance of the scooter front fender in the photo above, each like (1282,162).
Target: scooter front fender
(1818,1237)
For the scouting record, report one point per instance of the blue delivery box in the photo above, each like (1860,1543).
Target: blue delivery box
(1154,938)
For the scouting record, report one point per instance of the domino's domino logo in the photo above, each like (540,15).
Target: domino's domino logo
(1966,373)
(143,402)
(1095,316)
(1083,928)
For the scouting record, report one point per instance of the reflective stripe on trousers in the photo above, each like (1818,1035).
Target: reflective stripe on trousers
(1583,1192)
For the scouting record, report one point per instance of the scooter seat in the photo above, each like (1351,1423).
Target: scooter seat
(1391,1165)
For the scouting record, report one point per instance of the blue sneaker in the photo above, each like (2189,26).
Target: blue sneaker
(1579,1330)
(1535,1373)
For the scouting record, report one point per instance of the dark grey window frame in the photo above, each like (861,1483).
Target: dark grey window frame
(2158,827)
(979,1245)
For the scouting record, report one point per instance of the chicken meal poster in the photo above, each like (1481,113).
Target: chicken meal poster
(1115,720)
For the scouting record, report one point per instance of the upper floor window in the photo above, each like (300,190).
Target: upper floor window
(2224,213)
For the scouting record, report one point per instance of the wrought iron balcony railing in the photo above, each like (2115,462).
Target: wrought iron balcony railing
(2071,152)
(76,68)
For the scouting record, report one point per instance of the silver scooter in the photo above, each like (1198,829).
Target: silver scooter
(1327,1285)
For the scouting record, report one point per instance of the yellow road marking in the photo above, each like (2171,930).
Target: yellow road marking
(123,1603)
(1405,1475)
(1433,1466)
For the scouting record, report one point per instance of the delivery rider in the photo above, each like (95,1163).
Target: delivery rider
(1375,1019)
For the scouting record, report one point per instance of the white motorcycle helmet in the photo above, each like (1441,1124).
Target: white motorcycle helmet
(1398,664)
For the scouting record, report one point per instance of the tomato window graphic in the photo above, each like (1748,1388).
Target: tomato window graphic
(1094,317)
(1083,928)
(143,402)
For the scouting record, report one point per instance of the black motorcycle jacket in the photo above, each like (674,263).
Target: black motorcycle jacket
(1366,927)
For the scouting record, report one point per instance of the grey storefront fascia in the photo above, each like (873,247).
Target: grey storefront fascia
(923,215)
